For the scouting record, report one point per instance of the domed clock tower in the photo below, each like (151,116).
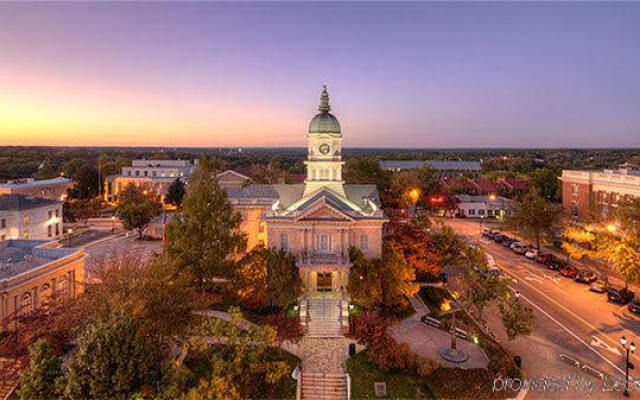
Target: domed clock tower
(324,154)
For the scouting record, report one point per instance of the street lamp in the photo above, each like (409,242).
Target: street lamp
(611,228)
(414,195)
(113,223)
(630,349)
(69,232)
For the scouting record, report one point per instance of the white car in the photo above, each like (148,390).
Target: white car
(519,247)
(531,254)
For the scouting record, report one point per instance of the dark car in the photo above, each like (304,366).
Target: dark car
(586,276)
(498,237)
(620,296)
(544,258)
(634,306)
(556,264)
(507,241)
(569,271)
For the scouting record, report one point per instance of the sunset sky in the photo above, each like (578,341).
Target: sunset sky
(399,75)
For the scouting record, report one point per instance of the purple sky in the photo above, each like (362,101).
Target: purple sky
(399,75)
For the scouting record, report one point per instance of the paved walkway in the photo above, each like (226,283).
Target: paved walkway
(324,355)
(427,341)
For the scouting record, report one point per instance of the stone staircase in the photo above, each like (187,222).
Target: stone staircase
(321,386)
(324,317)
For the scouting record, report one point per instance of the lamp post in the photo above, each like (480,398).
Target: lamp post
(113,223)
(69,232)
(630,349)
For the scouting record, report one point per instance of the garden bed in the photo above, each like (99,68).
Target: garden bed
(400,384)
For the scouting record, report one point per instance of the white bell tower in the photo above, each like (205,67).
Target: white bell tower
(324,153)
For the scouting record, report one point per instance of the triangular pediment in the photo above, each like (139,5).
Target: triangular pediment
(323,210)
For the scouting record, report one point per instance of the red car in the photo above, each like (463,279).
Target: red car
(569,271)
(544,258)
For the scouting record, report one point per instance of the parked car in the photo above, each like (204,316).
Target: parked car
(494,271)
(531,254)
(600,286)
(497,237)
(569,271)
(486,232)
(544,258)
(634,306)
(620,296)
(556,264)
(519,247)
(507,241)
(586,276)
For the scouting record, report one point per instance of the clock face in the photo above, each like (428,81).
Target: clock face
(324,148)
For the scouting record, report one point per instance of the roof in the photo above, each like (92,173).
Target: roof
(20,256)
(18,202)
(435,164)
(36,183)
(324,122)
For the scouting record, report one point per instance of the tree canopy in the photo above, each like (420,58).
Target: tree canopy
(534,218)
(205,237)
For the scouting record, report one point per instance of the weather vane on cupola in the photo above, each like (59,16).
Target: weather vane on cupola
(324,100)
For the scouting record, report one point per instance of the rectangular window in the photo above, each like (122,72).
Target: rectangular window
(364,242)
(3,223)
(57,229)
(481,211)
(49,230)
(50,214)
(25,219)
(323,243)
(472,211)
(574,189)
(57,213)
(3,237)
(284,242)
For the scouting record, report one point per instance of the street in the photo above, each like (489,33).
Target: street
(570,320)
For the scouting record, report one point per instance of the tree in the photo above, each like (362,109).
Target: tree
(41,379)
(175,193)
(517,319)
(382,282)
(365,170)
(481,288)
(112,360)
(86,179)
(402,188)
(206,236)
(534,218)
(136,210)
(157,293)
(241,366)
(267,278)
(417,246)
(451,247)
(270,173)
(545,181)
(428,180)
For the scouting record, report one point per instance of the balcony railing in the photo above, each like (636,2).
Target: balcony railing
(322,259)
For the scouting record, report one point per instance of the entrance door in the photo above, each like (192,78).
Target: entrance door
(323,282)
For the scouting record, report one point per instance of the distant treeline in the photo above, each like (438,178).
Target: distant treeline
(46,162)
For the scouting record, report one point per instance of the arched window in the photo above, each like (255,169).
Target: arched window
(62,286)
(45,293)
(26,304)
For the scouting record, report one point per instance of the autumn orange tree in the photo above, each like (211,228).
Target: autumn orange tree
(416,245)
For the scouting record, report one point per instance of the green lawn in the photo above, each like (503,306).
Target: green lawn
(400,385)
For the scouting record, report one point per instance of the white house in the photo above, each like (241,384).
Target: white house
(26,217)
(483,206)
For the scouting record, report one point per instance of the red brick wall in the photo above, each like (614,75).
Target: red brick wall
(582,198)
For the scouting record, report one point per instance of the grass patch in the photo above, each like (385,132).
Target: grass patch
(400,385)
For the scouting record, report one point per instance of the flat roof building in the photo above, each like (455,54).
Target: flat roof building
(31,271)
(586,192)
(55,188)
(26,217)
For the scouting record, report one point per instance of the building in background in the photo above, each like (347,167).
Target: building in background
(587,194)
(442,168)
(26,217)
(56,188)
(491,206)
(31,271)
(153,176)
